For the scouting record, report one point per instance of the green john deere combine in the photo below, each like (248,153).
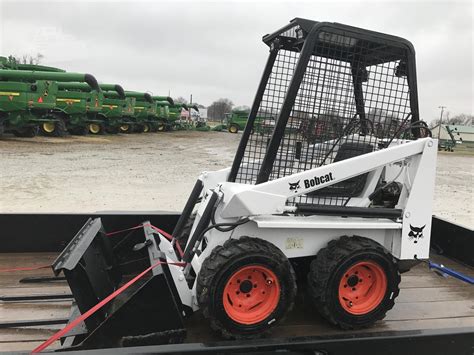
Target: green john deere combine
(236,120)
(117,110)
(163,112)
(28,101)
(77,103)
(175,111)
(146,119)
(80,104)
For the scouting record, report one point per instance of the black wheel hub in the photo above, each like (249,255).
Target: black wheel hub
(246,286)
(352,280)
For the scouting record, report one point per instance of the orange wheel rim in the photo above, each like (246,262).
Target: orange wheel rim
(362,287)
(251,294)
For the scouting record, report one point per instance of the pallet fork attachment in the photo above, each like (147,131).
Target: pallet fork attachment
(95,265)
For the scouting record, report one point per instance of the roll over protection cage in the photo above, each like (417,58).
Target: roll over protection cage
(322,83)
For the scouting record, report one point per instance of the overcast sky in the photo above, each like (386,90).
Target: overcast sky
(214,49)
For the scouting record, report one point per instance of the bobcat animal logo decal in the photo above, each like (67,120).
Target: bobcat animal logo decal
(416,233)
(294,186)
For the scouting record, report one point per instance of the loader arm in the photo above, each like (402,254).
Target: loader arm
(270,197)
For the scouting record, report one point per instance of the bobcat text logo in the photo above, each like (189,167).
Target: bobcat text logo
(294,186)
(416,233)
(318,180)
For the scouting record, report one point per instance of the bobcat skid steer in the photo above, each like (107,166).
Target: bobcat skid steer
(337,197)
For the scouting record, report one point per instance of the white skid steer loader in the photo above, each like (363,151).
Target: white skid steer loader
(336,194)
(336,182)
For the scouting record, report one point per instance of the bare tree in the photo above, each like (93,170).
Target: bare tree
(180,100)
(29,59)
(461,119)
(219,108)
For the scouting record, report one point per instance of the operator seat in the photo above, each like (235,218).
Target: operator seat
(354,186)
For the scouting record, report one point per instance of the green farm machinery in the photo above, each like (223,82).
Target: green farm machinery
(80,105)
(146,119)
(28,101)
(175,110)
(236,120)
(163,111)
(117,110)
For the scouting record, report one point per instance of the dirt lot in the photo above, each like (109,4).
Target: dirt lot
(154,172)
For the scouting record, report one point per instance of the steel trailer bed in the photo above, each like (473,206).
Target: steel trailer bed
(432,315)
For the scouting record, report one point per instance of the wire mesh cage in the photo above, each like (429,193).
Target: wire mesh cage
(354,92)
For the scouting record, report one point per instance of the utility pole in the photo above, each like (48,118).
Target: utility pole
(189,108)
(440,120)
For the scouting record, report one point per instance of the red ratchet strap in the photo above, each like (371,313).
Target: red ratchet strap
(161,231)
(98,306)
(169,237)
(166,235)
(123,230)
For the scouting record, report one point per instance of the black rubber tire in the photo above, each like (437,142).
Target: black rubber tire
(60,129)
(102,130)
(146,128)
(130,128)
(182,238)
(233,128)
(27,132)
(161,127)
(330,266)
(223,261)
(2,128)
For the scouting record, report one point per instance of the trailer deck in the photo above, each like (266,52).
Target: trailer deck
(426,302)
(440,310)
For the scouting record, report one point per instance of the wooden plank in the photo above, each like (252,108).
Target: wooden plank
(32,290)
(20,334)
(26,346)
(430,281)
(426,301)
(428,294)
(431,310)
(286,330)
(37,310)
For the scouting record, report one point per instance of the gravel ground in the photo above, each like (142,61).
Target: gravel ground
(155,172)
